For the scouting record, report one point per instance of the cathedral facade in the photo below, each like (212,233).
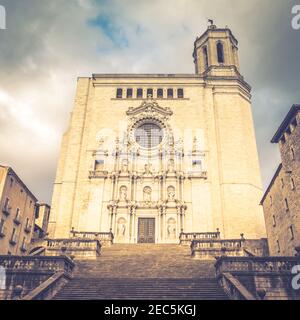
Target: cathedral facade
(148,156)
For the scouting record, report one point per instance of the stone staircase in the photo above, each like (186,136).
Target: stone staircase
(143,271)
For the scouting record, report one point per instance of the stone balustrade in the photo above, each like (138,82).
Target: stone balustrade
(77,247)
(26,273)
(106,238)
(96,174)
(34,263)
(186,238)
(209,249)
(268,278)
(256,264)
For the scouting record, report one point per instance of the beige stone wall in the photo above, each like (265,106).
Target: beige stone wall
(12,188)
(220,109)
(285,187)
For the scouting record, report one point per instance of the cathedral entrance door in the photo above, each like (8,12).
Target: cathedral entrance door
(146,230)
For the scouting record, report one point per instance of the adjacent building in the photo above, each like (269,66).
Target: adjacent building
(41,221)
(281,201)
(17,215)
(148,156)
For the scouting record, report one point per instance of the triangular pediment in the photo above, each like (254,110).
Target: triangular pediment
(149,107)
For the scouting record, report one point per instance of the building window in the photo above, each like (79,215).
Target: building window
(160,93)
(282,183)
(119,93)
(292,184)
(6,203)
(6,209)
(149,93)
(180,93)
(139,93)
(129,93)
(291,232)
(293,125)
(27,228)
(148,135)
(170,93)
(205,57)
(13,239)
(11,182)
(271,200)
(292,153)
(286,204)
(274,221)
(220,52)
(2,228)
(17,219)
(278,246)
(23,246)
(99,164)
(197,164)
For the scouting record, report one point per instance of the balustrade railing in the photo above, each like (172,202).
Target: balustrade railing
(236,265)
(77,247)
(106,238)
(187,237)
(37,263)
(259,278)
(213,248)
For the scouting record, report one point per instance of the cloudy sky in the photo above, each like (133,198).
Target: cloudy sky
(47,44)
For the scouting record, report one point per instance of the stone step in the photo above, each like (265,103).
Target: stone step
(142,289)
(144,271)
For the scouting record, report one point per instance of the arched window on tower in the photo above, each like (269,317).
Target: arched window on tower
(160,93)
(129,93)
(170,93)
(205,56)
(139,93)
(119,93)
(180,93)
(220,52)
(150,93)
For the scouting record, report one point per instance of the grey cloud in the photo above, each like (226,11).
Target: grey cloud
(49,43)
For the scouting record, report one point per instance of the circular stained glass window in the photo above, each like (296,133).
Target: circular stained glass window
(148,135)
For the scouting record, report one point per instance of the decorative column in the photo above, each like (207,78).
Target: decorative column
(132,222)
(114,219)
(163,210)
(178,222)
(111,214)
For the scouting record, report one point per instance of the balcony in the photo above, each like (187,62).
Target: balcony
(17,220)
(27,228)
(6,211)
(3,231)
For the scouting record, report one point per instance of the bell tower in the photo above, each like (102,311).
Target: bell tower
(216,52)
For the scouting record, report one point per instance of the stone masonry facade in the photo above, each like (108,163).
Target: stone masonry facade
(281,201)
(196,171)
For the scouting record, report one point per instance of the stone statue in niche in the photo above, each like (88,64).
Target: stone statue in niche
(147,194)
(171,165)
(171,193)
(123,193)
(171,228)
(147,168)
(121,228)
(124,165)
